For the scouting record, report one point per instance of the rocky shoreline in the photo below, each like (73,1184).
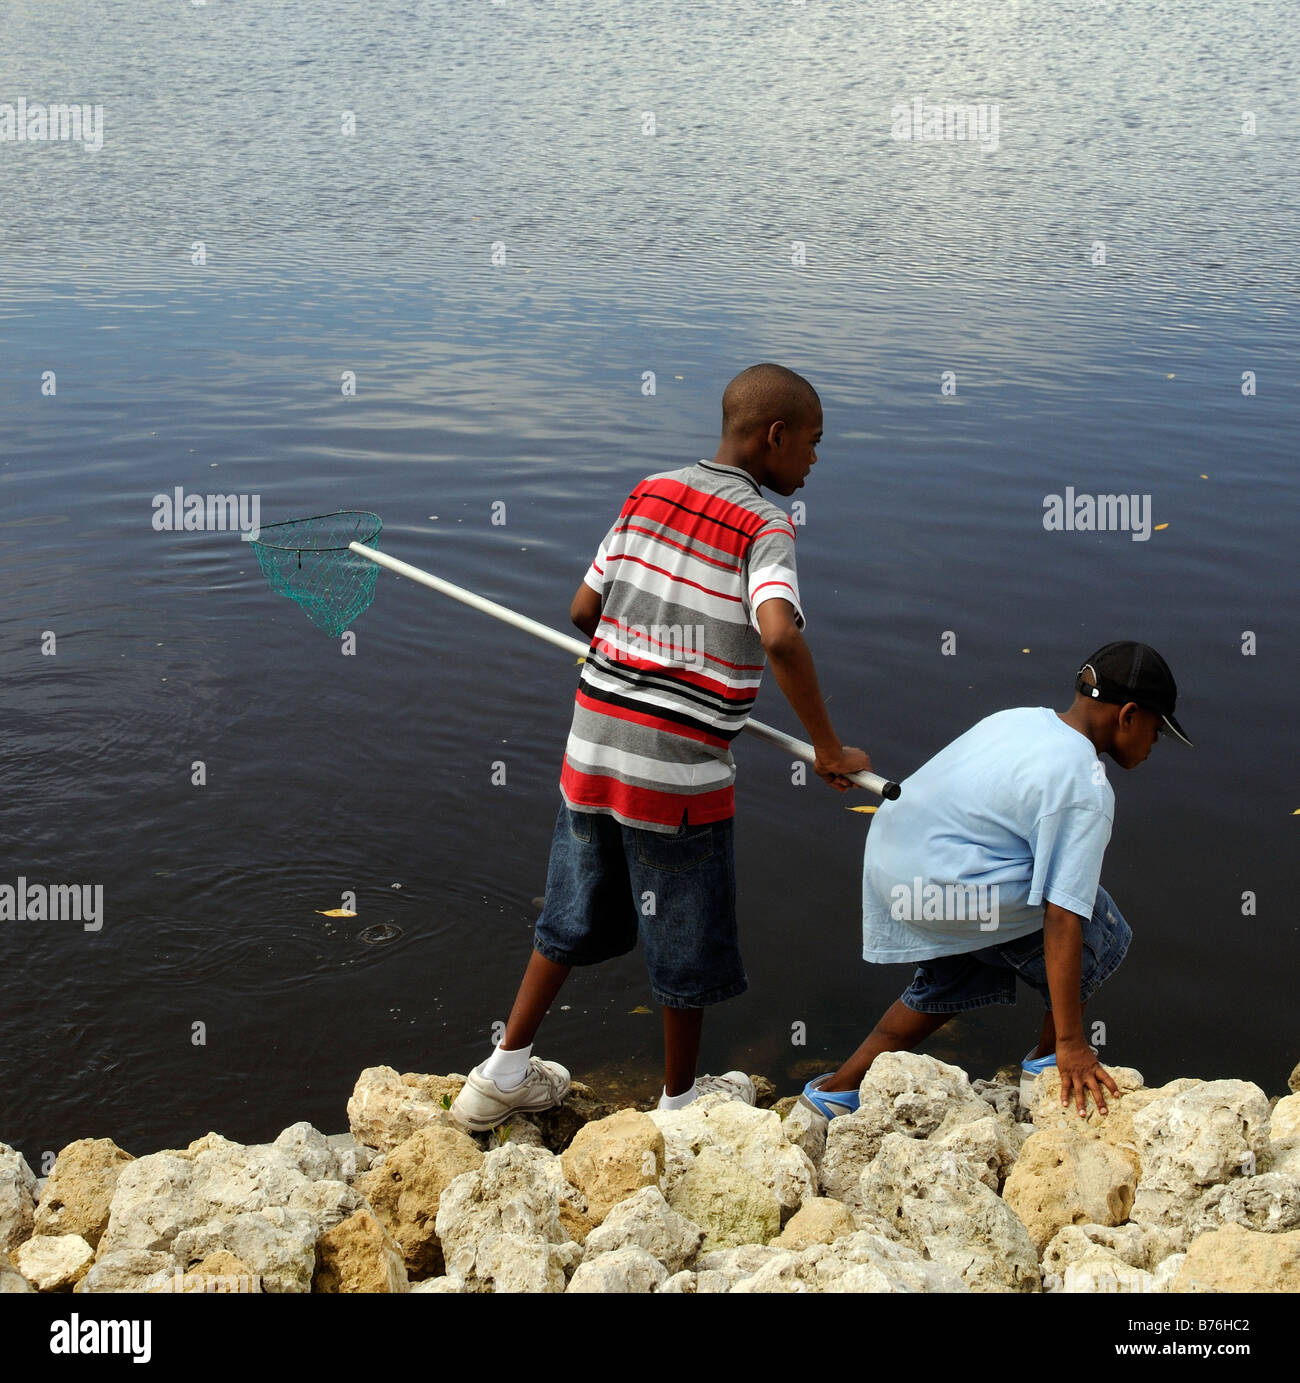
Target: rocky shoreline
(937,1184)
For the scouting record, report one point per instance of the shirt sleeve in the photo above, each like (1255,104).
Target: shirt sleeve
(1068,846)
(597,576)
(770,569)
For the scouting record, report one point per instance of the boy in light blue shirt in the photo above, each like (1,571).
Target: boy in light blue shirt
(988,867)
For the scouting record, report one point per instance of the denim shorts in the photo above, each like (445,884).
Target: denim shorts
(953,984)
(607,883)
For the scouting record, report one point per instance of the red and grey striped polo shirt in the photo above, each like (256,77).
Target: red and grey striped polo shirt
(676,661)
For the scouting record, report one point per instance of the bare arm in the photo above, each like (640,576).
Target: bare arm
(585,610)
(792,666)
(1076,1061)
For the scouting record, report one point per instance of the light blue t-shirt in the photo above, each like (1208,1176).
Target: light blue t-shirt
(1012,814)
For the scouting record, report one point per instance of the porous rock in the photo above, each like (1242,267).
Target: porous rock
(648,1222)
(1210,1133)
(277,1243)
(1137,1246)
(128,1270)
(17,1198)
(54,1262)
(753,1139)
(736,1264)
(819,1220)
(219,1272)
(359,1255)
(1003,1097)
(923,1196)
(581,1106)
(80,1188)
(405,1192)
(731,1206)
(687,1283)
(1070,1177)
(805,1127)
(613,1158)
(629,1269)
(1236,1259)
(1269,1203)
(500,1225)
(860,1262)
(386,1108)
(11,1280)
(904,1093)
(1116,1126)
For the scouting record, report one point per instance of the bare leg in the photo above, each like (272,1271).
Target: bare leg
(900,1030)
(537,991)
(682,1028)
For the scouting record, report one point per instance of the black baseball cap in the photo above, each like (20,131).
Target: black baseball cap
(1127,671)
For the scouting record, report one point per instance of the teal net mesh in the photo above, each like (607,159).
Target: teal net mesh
(308,560)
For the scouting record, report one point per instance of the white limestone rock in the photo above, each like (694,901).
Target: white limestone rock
(753,1139)
(129,1270)
(17,1199)
(54,1262)
(648,1222)
(805,1127)
(627,1269)
(11,1280)
(1269,1203)
(687,1283)
(926,1198)
(277,1244)
(500,1226)
(1211,1133)
(736,1264)
(309,1150)
(860,1262)
(903,1093)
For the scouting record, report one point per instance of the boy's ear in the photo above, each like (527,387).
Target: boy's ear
(1128,713)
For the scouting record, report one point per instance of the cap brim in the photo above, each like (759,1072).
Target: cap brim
(1176,730)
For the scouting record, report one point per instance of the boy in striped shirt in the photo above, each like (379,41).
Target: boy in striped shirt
(692,591)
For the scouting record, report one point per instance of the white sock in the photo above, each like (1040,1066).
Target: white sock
(667,1101)
(508,1069)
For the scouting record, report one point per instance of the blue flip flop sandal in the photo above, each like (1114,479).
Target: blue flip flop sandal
(829,1103)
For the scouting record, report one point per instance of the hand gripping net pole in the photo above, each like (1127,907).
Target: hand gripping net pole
(308,560)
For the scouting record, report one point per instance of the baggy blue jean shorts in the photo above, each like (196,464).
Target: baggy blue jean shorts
(975,979)
(607,884)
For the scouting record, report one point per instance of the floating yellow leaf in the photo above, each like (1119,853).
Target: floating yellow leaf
(1204,477)
(1170,376)
(1024,650)
(578,662)
(640,1008)
(336,912)
(1160,527)
(868,810)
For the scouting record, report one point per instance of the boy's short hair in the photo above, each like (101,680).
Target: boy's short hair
(764,394)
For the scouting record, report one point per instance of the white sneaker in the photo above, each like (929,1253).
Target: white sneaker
(482,1104)
(734,1084)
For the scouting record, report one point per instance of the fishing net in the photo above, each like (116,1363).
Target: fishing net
(308,560)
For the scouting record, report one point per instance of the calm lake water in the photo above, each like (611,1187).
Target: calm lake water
(769,215)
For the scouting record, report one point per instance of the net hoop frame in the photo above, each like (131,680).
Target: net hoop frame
(300,548)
